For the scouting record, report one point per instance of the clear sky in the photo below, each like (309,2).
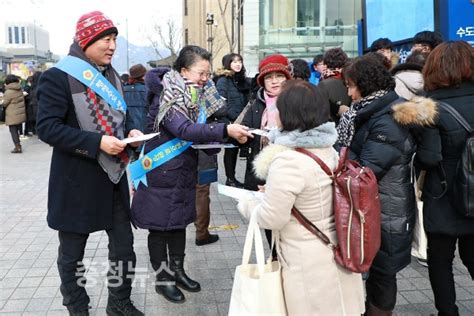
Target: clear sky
(59,17)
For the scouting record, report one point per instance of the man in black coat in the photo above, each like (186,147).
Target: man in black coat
(88,190)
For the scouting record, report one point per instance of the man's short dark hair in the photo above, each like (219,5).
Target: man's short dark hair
(432,39)
(317,59)
(302,106)
(335,58)
(381,43)
(301,69)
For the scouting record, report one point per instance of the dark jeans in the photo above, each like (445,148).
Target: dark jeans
(381,289)
(30,128)
(121,261)
(162,243)
(230,161)
(15,131)
(441,250)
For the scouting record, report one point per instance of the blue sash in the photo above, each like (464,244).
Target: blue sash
(92,78)
(158,156)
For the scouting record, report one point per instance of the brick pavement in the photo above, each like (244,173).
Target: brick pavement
(29,282)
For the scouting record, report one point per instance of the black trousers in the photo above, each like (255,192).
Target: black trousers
(230,161)
(441,250)
(121,261)
(164,243)
(15,131)
(381,289)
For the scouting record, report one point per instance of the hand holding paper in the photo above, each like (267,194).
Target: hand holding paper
(136,138)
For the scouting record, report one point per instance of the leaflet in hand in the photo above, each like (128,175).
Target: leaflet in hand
(257,131)
(212,146)
(139,138)
(237,193)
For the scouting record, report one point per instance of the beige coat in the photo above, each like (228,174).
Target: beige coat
(313,283)
(14,102)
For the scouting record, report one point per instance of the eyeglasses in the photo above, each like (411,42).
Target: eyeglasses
(201,74)
(277,77)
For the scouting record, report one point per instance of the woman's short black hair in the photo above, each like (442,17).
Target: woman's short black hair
(301,69)
(11,78)
(335,58)
(189,55)
(302,106)
(381,43)
(368,75)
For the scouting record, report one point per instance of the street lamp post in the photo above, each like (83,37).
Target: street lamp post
(210,39)
(126,35)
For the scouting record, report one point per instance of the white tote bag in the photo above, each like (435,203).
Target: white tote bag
(257,288)
(419,244)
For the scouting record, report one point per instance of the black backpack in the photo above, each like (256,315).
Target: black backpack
(462,195)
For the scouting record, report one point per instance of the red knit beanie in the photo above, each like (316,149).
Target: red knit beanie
(272,63)
(93,26)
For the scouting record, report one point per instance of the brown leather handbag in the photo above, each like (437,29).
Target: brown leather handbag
(356,210)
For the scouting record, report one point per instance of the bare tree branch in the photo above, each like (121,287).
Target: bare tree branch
(223,9)
(169,37)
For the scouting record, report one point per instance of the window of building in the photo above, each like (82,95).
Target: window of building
(186,37)
(10,35)
(23,35)
(185,7)
(308,12)
(17,35)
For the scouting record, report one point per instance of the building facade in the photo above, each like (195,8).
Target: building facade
(209,24)
(299,28)
(25,49)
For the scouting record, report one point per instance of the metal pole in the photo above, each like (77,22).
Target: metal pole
(36,44)
(126,34)
(232,19)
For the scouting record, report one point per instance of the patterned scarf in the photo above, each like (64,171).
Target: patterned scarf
(96,115)
(332,72)
(346,128)
(187,98)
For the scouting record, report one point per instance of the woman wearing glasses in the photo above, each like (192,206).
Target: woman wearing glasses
(165,204)
(263,114)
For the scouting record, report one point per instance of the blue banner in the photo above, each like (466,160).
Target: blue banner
(92,78)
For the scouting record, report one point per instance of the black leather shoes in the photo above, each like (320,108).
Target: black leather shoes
(182,280)
(234,183)
(121,307)
(166,286)
(208,240)
(84,312)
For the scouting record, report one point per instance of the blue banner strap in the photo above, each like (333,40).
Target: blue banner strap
(165,152)
(92,78)
(155,158)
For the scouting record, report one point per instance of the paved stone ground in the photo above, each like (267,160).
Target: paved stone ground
(29,279)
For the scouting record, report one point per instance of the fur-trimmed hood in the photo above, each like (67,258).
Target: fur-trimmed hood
(418,111)
(262,162)
(224,72)
(322,136)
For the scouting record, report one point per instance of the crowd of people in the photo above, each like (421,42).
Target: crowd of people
(388,114)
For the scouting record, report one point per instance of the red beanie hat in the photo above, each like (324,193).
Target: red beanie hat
(93,26)
(272,63)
